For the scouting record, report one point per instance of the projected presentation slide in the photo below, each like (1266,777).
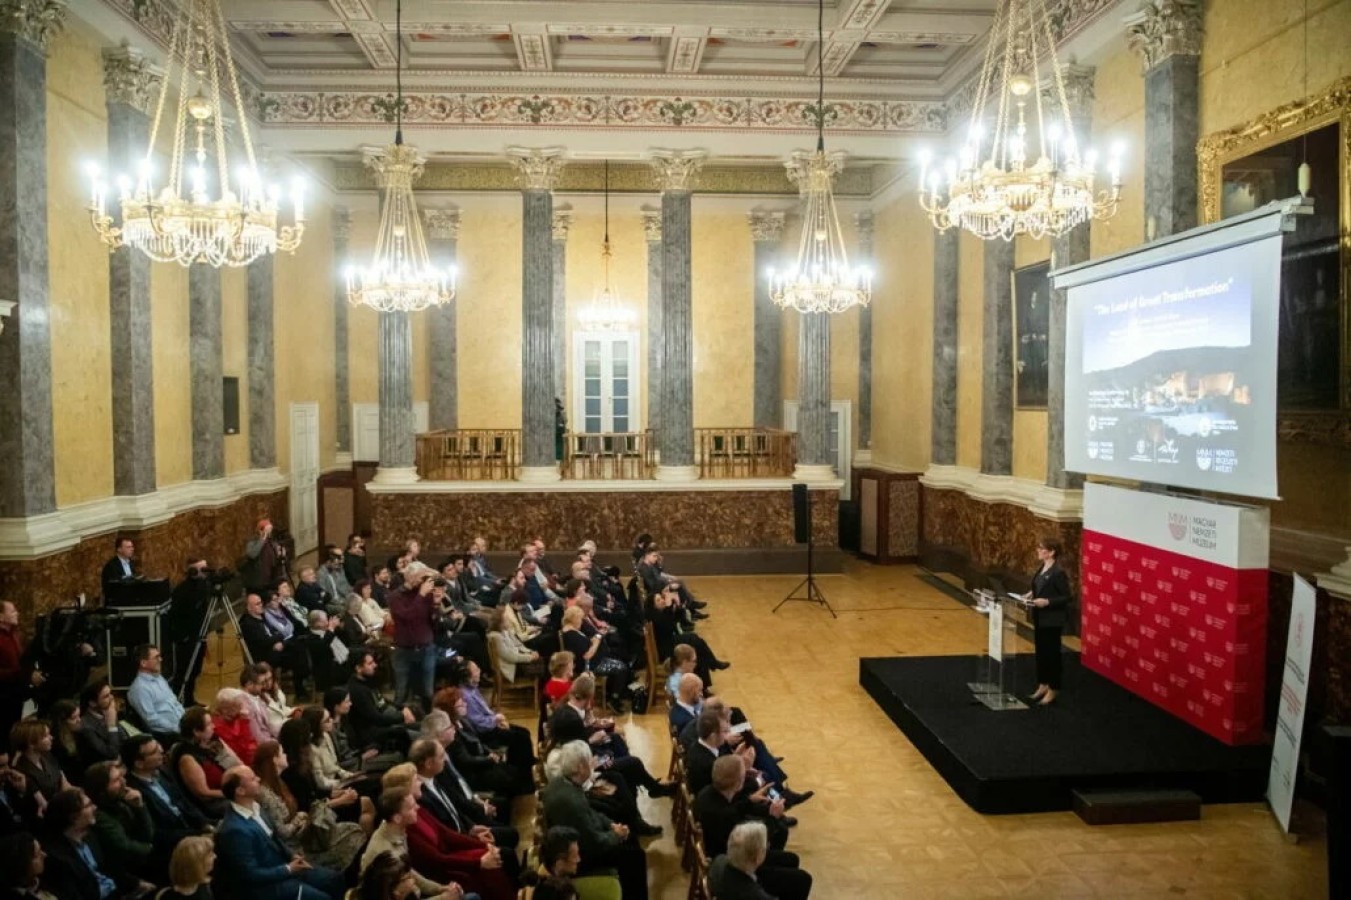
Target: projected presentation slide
(1174,378)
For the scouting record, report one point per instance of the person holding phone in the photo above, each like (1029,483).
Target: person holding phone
(1049,600)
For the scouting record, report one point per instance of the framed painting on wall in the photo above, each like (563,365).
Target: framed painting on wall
(1257,163)
(1031,327)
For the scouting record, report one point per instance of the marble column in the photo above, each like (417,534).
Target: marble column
(538,171)
(1066,250)
(398,431)
(675,171)
(443,354)
(943,428)
(205,372)
(262,365)
(1167,35)
(813,367)
(562,221)
(342,391)
(27,477)
(652,232)
(863,224)
(996,398)
(767,404)
(131,85)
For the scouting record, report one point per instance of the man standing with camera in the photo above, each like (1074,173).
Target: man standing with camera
(188,605)
(266,560)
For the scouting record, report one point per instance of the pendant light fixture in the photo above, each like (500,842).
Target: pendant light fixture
(401,276)
(605,312)
(822,279)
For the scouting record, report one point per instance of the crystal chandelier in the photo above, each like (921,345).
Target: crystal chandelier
(401,277)
(186,226)
(997,188)
(605,312)
(822,281)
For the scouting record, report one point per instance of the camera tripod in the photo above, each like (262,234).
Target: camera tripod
(812,593)
(219,602)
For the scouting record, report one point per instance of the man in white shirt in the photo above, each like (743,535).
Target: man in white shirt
(151,696)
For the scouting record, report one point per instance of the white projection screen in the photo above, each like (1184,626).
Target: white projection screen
(1170,360)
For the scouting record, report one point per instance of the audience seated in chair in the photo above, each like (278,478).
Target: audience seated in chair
(152,698)
(732,876)
(268,644)
(101,732)
(124,827)
(727,802)
(560,857)
(77,866)
(388,848)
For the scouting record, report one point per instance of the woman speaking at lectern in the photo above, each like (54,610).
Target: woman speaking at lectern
(1049,599)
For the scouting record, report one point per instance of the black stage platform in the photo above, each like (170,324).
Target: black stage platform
(1096,736)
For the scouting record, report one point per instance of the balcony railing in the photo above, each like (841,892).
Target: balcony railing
(608,456)
(745,452)
(468,454)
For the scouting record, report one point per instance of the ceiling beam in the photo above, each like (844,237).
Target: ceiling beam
(686,50)
(534,48)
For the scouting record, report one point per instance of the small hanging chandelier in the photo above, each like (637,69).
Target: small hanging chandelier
(605,312)
(999,189)
(401,277)
(822,281)
(173,225)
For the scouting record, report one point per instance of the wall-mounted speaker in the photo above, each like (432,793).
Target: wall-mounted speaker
(802,514)
(230,404)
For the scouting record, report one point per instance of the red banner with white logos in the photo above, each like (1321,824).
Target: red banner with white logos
(1184,628)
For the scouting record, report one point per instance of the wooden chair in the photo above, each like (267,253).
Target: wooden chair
(657,669)
(502,686)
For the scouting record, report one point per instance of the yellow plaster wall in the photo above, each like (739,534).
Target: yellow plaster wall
(902,344)
(970,321)
(489,311)
(723,310)
(234,301)
(77,131)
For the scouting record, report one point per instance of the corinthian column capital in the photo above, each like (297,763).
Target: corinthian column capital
(676,169)
(537,169)
(1165,28)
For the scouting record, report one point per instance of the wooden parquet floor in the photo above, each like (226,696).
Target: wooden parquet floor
(883,824)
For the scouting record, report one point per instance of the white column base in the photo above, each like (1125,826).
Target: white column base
(395,475)
(863,458)
(820,472)
(676,473)
(1337,582)
(539,474)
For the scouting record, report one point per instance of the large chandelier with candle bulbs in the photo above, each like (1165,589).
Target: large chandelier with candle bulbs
(821,281)
(401,276)
(1013,179)
(202,213)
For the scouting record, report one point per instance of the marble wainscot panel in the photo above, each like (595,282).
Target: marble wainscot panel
(992,537)
(217,533)
(681,520)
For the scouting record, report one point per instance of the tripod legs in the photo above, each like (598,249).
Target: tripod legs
(808,592)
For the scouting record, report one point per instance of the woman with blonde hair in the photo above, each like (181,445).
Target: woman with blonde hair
(190,870)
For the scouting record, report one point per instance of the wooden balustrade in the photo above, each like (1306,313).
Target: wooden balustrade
(469,454)
(608,456)
(745,452)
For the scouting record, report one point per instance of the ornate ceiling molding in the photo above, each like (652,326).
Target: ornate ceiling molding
(128,78)
(766,227)
(497,109)
(769,180)
(675,170)
(33,20)
(1164,29)
(537,169)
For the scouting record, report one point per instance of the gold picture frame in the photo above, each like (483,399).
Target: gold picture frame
(1331,107)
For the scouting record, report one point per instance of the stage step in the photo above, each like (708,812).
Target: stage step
(1134,807)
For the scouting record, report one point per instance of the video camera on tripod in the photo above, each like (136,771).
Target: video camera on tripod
(58,640)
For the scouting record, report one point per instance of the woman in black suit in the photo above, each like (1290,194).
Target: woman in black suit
(1050,600)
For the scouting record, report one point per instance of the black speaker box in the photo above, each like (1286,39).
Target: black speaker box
(231,404)
(802,514)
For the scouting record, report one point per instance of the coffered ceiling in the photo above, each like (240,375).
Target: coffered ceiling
(602,77)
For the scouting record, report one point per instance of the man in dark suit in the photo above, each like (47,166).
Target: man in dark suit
(568,723)
(728,802)
(604,844)
(174,815)
(253,861)
(267,644)
(375,721)
(121,567)
(732,877)
(76,867)
(429,756)
(440,727)
(688,703)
